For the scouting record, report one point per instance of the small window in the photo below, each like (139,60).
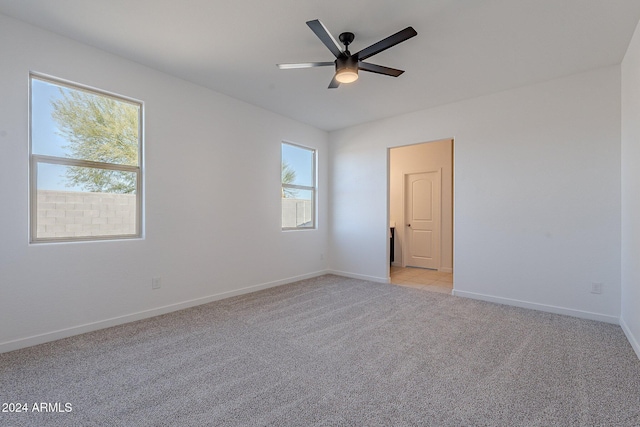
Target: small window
(298,187)
(86,161)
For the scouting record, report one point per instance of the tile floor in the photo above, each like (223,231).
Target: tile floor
(421,278)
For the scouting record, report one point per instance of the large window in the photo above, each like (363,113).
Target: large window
(298,187)
(86,161)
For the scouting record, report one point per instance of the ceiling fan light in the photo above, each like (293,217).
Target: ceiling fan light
(347,75)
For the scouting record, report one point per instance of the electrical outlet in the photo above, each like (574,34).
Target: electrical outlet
(596,288)
(156,283)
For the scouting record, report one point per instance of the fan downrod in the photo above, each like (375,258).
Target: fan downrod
(346,39)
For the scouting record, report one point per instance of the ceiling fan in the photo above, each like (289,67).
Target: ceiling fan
(348,64)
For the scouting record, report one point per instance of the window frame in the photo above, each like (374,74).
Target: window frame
(36,159)
(313,188)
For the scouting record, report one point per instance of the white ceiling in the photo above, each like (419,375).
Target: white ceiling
(464,48)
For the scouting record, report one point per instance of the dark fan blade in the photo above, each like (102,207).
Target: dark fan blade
(325,36)
(365,66)
(334,83)
(304,65)
(385,44)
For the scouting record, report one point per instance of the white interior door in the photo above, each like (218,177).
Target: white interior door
(422,219)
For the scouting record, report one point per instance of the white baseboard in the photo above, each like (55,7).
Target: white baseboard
(114,321)
(632,340)
(540,307)
(360,276)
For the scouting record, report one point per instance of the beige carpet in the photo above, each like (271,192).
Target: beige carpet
(332,351)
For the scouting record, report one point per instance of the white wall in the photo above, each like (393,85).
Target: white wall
(208,157)
(421,158)
(630,318)
(537,193)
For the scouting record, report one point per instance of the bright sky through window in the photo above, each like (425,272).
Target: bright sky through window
(301,161)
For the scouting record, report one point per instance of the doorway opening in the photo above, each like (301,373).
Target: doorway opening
(421,215)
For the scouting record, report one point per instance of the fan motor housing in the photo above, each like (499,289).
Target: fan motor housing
(345,61)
